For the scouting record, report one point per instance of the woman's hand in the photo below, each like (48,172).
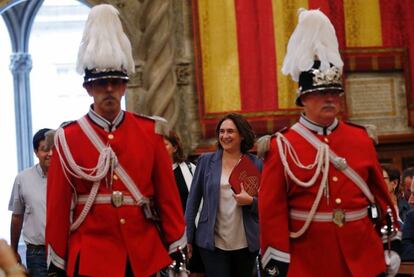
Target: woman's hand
(189,250)
(243,198)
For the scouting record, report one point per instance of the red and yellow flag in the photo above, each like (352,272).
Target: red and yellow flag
(241,45)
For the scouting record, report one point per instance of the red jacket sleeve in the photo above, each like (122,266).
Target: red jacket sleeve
(58,206)
(273,210)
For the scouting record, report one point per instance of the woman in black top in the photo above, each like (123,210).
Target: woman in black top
(183,172)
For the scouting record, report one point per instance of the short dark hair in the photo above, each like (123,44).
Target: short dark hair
(408,172)
(393,172)
(393,175)
(174,139)
(244,128)
(38,137)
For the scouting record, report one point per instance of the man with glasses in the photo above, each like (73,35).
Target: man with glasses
(322,185)
(407,180)
(407,245)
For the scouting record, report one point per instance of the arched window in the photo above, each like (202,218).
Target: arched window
(56,88)
(56,92)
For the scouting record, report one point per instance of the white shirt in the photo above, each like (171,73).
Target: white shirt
(29,198)
(229,231)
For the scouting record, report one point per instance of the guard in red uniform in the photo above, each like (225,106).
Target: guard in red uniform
(322,188)
(113,208)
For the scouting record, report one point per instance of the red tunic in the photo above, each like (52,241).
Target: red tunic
(325,249)
(109,236)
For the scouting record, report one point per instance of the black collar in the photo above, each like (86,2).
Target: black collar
(105,124)
(319,129)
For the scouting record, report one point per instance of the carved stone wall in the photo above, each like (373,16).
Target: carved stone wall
(188,125)
(160,32)
(378,99)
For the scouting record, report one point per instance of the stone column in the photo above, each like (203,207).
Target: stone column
(159,79)
(160,32)
(188,125)
(20,66)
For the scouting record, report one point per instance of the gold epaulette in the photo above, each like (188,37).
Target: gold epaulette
(263,143)
(161,124)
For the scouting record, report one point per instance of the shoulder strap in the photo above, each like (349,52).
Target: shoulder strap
(187,173)
(119,170)
(337,161)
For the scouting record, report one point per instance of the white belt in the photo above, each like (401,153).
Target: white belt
(330,216)
(115,199)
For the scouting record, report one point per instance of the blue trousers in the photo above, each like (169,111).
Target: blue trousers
(36,260)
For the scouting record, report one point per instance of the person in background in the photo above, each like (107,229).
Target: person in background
(227,233)
(407,181)
(322,185)
(183,172)
(9,266)
(392,179)
(28,204)
(113,208)
(407,244)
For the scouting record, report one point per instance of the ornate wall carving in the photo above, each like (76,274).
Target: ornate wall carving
(160,32)
(20,63)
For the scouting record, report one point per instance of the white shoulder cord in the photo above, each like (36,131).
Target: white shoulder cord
(282,140)
(323,186)
(322,158)
(337,161)
(106,160)
(89,202)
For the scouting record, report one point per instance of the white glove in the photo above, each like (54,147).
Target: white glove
(392,261)
(172,273)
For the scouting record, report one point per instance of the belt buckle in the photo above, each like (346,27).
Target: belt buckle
(117,198)
(338,217)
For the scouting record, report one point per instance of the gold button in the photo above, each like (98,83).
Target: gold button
(122,221)
(335,179)
(326,140)
(338,201)
(110,136)
(115,177)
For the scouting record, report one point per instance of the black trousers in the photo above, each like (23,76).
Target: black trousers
(236,263)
